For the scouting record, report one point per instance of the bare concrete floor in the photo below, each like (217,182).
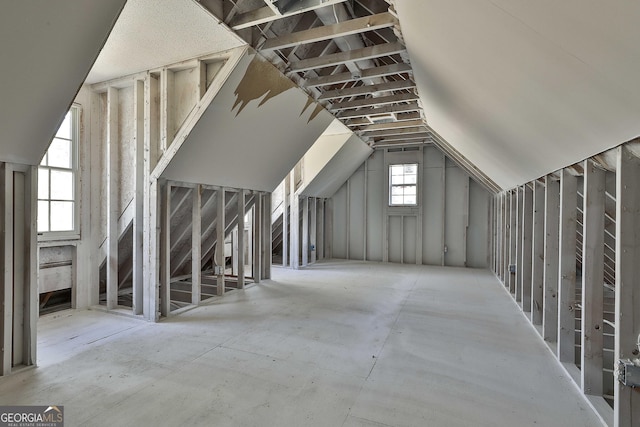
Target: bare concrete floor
(338,344)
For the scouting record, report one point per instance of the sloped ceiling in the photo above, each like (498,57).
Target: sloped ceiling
(339,167)
(253,133)
(154,33)
(523,88)
(47,49)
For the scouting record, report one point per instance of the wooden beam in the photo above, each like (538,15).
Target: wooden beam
(167,109)
(551,255)
(266,14)
(328,32)
(367,89)
(627,310)
(537,254)
(294,225)
(320,236)
(391,125)
(363,123)
(285,222)
(371,112)
(267,233)
(374,102)
(527,234)
(513,234)
(240,243)
(368,73)
(340,58)
(567,267)
(313,248)
(138,220)
(519,200)
(257,238)
(395,132)
(220,226)
(112,198)
(196,245)
(6,245)
(592,280)
(305,231)
(165,253)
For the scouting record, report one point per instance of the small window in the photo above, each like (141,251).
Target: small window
(403,185)
(57,180)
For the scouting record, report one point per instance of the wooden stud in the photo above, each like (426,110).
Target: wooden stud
(592,279)
(220,235)
(267,242)
(627,310)
(240,243)
(551,255)
(140,182)
(519,229)
(196,245)
(294,225)
(320,243)
(340,58)
(305,231)
(527,230)
(369,73)
(257,238)
(6,183)
(537,255)
(285,223)
(313,248)
(567,267)
(165,250)
(112,198)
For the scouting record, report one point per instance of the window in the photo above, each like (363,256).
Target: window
(403,185)
(57,179)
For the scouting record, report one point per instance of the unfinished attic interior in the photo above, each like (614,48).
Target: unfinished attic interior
(321,212)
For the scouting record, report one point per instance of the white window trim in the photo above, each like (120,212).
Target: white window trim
(47,236)
(416,185)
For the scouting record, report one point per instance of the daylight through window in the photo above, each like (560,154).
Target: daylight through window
(56,179)
(403,185)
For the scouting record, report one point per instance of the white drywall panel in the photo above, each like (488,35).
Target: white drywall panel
(253,133)
(337,168)
(478,231)
(376,197)
(456,213)
(433,206)
(356,214)
(339,230)
(394,234)
(154,33)
(409,239)
(47,50)
(523,88)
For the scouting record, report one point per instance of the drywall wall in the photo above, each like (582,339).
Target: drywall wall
(448,227)
(47,50)
(523,88)
(330,162)
(256,129)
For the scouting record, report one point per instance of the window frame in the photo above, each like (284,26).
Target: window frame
(73,234)
(415,185)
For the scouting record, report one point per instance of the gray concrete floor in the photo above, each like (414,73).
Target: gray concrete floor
(337,344)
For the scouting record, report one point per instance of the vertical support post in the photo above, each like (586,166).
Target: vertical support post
(500,237)
(551,255)
(519,203)
(305,231)
(202,79)
(267,242)
(513,213)
(328,233)
(627,311)
(140,182)
(294,226)
(31,276)
(567,267)
(196,245)
(150,271)
(285,223)
(6,245)
(257,238)
(166,109)
(537,255)
(241,249)
(365,204)
(592,279)
(313,247)
(527,231)
(507,239)
(165,264)
(220,258)
(320,236)
(112,198)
